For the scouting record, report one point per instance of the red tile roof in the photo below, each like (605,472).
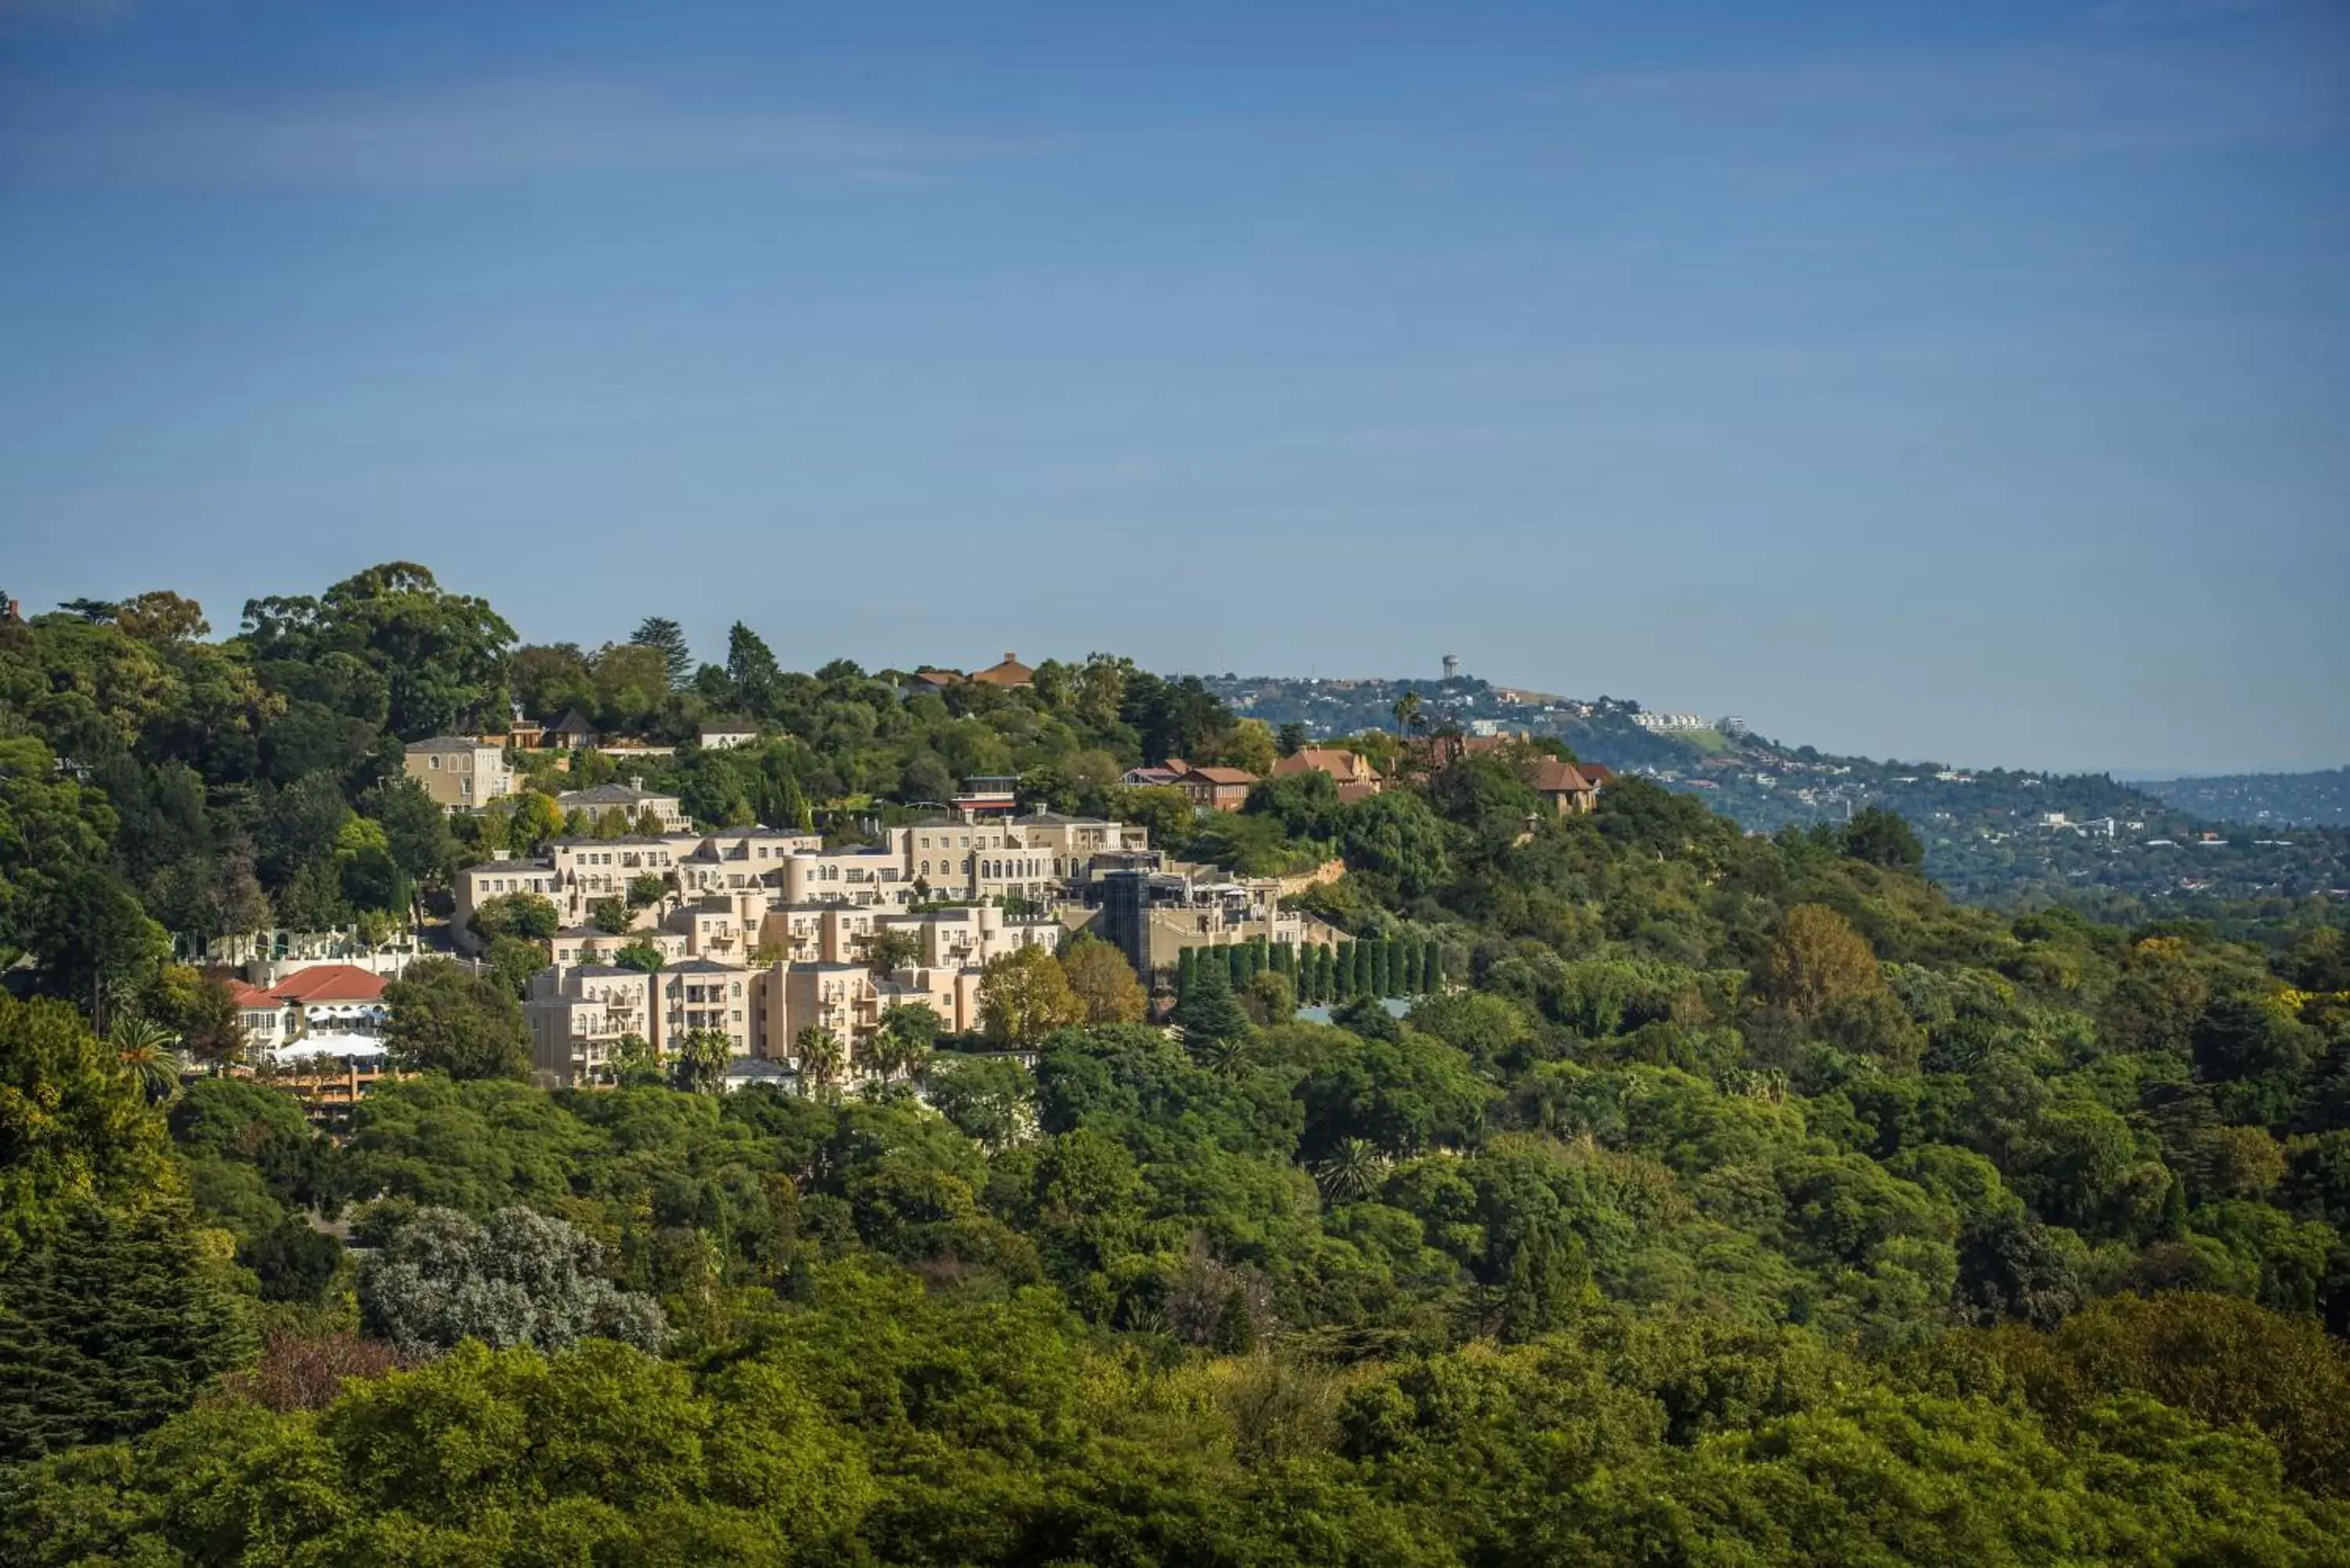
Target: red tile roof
(250,998)
(325,982)
(1223,775)
(1346,767)
(1011,672)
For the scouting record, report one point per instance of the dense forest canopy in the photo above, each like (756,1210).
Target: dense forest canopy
(1715,1199)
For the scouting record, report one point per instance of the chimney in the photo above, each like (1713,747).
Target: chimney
(1009,657)
(637,783)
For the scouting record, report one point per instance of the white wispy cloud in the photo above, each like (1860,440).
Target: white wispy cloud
(474,132)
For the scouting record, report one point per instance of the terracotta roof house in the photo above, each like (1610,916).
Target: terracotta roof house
(1011,672)
(1217,789)
(1563,785)
(923,680)
(322,983)
(1353,773)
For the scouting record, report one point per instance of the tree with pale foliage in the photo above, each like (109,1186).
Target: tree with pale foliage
(1816,961)
(1025,996)
(1103,982)
(519,1279)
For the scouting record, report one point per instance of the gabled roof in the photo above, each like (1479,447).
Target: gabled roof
(1346,767)
(325,982)
(249,998)
(1009,672)
(1216,776)
(573,723)
(1552,776)
(448,743)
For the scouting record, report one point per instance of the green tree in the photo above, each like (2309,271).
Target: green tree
(116,1319)
(1882,838)
(438,656)
(821,1053)
(900,1046)
(74,1126)
(699,1061)
(530,915)
(890,950)
(440,1018)
(144,1048)
(1270,998)
(641,956)
(1207,1012)
(536,819)
(665,638)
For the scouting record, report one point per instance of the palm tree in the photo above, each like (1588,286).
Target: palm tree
(1406,713)
(144,1047)
(701,1058)
(902,1044)
(1353,1169)
(822,1054)
(1227,1057)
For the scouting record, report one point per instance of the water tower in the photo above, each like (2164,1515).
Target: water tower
(1452,667)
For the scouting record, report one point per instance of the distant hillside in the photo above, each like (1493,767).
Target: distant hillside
(1993,836)
(2287,800)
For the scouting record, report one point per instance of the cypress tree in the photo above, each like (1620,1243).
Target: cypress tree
(112,1324)
(1408,969)
(1431,968)
(1186,961)
(1209,1012)
(1359,982)
(1342,972)
(1383,968)
(1236,965)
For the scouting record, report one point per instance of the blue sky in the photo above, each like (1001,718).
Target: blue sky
(1921,379)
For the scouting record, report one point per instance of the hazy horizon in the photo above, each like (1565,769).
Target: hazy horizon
(1952,383)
